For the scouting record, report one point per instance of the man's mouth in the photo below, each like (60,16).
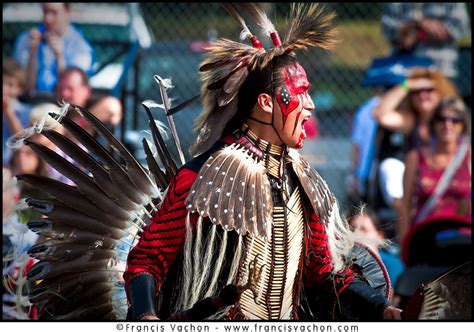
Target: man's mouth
(303,130)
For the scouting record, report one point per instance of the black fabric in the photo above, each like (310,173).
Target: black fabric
(360,302)
(229,294)
(196,163)
(392,145)
(304,311)
(198,312)
(142,292)
(209,306)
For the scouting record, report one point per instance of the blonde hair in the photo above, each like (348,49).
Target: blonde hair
(442,85)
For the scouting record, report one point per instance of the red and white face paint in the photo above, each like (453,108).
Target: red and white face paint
(294,107)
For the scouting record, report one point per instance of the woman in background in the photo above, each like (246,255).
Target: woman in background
(450,147)
(404,112)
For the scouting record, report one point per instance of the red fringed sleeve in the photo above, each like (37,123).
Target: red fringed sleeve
(164,238)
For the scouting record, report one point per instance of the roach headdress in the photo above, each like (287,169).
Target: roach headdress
(228,63)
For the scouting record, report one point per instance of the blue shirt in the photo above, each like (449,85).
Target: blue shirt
(363,134)
(394,264)
(77,53)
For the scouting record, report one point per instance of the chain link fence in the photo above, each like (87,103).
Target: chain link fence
(177,33)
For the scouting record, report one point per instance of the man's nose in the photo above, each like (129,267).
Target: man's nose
(308,102)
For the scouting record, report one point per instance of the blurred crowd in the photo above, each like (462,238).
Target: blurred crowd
(411,150)
(51,64)
(411,154)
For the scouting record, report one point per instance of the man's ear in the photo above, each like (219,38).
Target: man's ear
(265,102)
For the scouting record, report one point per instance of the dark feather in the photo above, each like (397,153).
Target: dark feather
(50,269)
(84,183)
(161,148)
(137,173)
(71,197)
(182,106)
(101,175)
(60,231)
(235,80)
(219,81)
(61,213)
(155,169)
(117,173)
(66,283)
(55,249)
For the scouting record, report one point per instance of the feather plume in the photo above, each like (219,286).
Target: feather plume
(239,19)
(222,76)
(87,228)
(259,16)
(59,231)
(310,27)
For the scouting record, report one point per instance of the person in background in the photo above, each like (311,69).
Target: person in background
(15,113)
(404,111)
(363,133)
(383,74)
(73,87)
(108,109)
(47,50)
(26,161)
(371,233)
(429,30)
(426,166)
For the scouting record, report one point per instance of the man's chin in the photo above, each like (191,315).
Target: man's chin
(296,145)
(299,145)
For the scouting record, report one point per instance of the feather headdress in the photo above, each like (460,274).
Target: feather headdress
(228,63)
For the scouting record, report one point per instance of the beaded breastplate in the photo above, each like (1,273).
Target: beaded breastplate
(247,187)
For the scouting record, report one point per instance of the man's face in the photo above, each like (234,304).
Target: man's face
(293,107)
(108,110)
(55,17)
(73,90)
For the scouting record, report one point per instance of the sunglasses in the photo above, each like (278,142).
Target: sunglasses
(430,90)
(453,119)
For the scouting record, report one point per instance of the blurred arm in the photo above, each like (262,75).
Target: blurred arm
(387,114)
